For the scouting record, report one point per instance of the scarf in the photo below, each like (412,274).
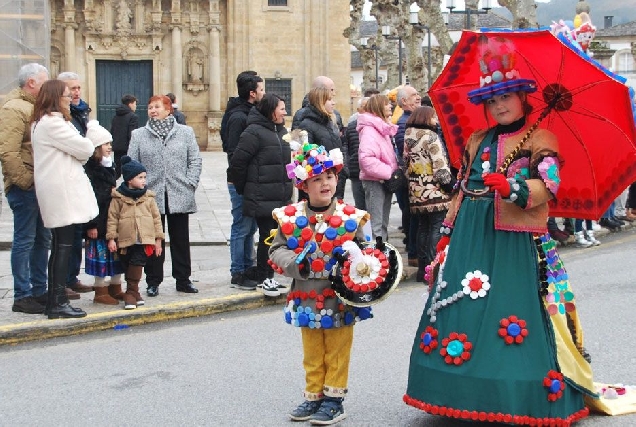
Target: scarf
(133,193)
(161,127)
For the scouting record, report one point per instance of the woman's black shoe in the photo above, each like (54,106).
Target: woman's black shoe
(152,291)
(608,223)
(65,311)
(188,288)
(619,221)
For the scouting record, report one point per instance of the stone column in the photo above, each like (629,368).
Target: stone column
(177,59)
(214,90)
(69,48)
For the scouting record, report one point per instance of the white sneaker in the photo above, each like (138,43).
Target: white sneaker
(592,239)
(595,226)
(269,287)
(581,240)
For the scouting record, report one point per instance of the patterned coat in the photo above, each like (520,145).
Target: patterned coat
(173,165)
(428,171)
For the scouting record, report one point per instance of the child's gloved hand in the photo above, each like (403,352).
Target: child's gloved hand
(497,181)
(304,267)
(443,242)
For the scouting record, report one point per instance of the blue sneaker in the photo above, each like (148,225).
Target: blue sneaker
(305,410)
(331,411)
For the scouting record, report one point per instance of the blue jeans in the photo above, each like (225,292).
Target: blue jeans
(241,235)
(31,243)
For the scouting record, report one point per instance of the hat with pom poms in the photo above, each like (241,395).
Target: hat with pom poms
(130,168)
(97,133)
(310,159)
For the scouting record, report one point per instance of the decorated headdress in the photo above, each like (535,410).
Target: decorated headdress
(310,159)
(497,64)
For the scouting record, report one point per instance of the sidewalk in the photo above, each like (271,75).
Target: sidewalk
(209,234)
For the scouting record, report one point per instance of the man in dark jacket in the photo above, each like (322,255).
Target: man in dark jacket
(250,91)
(124,122)
(79,117)
(178,115)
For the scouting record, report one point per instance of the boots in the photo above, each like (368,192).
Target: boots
(102,296)
(132,297)
(57,305)
(115,291)
(581,240)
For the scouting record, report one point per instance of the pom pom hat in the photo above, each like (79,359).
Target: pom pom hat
(310,159)
(130,168)
(497,59)
(97,134)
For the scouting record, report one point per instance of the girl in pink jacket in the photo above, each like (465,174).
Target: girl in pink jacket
(378,160)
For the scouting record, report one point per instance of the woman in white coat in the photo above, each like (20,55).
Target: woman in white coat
(64,193)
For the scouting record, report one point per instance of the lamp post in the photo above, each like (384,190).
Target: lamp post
(450,5)
(386,33)
(415,22)
(363,44)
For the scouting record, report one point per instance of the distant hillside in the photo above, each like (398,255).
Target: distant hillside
(622,11)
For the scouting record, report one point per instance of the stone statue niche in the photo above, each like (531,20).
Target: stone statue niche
(195,70)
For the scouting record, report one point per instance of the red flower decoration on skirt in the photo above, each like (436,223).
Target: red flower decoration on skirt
(555,385)
(513,330)
(428,341)
(456,349)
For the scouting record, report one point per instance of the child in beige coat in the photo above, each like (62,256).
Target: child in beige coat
(134,227)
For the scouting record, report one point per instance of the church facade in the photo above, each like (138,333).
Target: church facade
(195,49)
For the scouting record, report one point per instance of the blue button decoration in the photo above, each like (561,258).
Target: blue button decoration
(312,247)
(326,322)
(331,233)
(555,386)
(307,310)
(364,313)
(303,319)
(317,169)
(311,160)
(337,250)
(426,340)
(514,329)
(297,301)
(348,318)
(350,225)
(302,221)
(292,243)
(288,317)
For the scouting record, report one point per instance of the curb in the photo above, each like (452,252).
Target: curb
(45,328)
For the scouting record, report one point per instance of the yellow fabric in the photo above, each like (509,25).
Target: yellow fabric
(326,355)
(625,404)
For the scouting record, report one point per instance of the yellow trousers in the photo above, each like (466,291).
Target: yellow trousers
(326,361)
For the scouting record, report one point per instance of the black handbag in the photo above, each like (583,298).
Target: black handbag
(397,181)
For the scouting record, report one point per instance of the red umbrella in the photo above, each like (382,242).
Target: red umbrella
(590,112)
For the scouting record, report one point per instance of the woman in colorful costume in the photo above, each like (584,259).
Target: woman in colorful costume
(320,224)
(499,339)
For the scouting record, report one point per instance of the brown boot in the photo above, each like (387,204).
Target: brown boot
(114,290)
(133,276)
(102,296)
(130,302)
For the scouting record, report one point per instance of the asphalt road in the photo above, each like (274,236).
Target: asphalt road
(244,368)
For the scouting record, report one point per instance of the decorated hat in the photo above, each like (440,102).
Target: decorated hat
(498,73)
(310,159)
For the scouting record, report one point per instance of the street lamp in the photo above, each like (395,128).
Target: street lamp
(363,43)
(415,22)
(450,5)
(386,33)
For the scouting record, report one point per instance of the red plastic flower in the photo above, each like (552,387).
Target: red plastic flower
(555,385)
(428,341)
(456,349)
(513,330)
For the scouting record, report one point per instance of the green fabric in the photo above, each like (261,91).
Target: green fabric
(497,378)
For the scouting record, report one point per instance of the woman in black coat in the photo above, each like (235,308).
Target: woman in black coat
(319,122)
(258,173)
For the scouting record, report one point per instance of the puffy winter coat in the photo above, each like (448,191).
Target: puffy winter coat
(64,193)
(353,142)
(16,150)
(320,129)
(103,181)
(235,123)
(376,153)
(258,166)
(173,165)
(124,122)
(133,220)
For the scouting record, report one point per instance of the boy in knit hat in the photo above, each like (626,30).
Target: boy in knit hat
(309,238)
(99,261)
(134,227)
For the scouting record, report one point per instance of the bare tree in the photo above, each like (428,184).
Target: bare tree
(524,12)
(367,56)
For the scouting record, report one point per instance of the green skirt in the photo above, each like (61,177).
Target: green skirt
(485,348)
